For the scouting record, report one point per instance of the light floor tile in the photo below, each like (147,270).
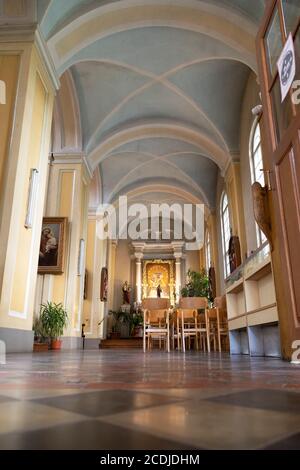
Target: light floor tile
(211,426)
(24,416)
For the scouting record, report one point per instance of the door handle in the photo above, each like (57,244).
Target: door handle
(268,179)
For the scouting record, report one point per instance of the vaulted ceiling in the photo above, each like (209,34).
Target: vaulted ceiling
(158,86)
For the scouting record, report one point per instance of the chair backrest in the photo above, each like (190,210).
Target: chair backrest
(187,313)
(193,302)
(220,302)
(155,303)
(156,316)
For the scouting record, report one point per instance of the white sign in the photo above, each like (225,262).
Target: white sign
(286,65)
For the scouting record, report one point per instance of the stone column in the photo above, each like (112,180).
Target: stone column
(111,273)
(177,248)
(138,254)
(138,265)
(68,197)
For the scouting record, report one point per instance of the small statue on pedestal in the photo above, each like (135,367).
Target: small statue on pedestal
(126,293)
(158,290)
(234,253)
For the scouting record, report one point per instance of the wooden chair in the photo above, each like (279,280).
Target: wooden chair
(191,324)
(218,324)
(156,322)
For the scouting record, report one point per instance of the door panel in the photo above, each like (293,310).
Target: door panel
(282,160)
(288,195)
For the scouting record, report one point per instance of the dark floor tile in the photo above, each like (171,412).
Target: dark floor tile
(275,400)
(105,402)
(4,399)
(290,443)
(86,435)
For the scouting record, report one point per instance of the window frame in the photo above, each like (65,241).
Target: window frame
(260,237)
(224,230)
(208,258)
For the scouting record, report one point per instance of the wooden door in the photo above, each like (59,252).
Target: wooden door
(282,158)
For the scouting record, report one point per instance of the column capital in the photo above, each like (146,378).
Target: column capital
(74,158)
(30,33)
(138,250)
(177,249)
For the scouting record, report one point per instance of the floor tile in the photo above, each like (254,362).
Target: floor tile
(35,393)
(148,400)
(4,398)
(277,400)
(24,415)
(211,425)
(106,402)
(289,443)
(87,435)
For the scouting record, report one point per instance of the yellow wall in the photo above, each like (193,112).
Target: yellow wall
(9,71)
(67,197)
(65,188)
(24,144)
(90,254)
(25,235)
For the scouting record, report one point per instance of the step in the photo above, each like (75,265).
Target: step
(122,343)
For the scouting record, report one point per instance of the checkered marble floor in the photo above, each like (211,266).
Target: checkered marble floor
(111,399)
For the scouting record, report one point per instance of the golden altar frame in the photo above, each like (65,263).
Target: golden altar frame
(151,267)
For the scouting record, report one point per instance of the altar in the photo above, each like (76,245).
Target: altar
(159,273)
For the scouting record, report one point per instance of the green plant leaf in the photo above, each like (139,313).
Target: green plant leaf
(54,319)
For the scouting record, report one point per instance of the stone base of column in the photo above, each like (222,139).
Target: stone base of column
(17,341)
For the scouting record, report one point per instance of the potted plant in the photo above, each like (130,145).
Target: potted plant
(41,342)
(54,319)
(136,324)
(197,285)
(119,317)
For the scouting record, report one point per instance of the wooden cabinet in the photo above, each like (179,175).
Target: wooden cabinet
(252,309)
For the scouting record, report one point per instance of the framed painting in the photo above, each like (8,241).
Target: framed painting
(52,245)
(104,285)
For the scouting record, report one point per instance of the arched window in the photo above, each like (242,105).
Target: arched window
(256,165)
(225,227)
(207,250)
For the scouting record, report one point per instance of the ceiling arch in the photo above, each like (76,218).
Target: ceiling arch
(236,30)
(54,14)
(159,129)
(158,87)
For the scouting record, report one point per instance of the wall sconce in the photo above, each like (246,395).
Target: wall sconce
(32,192)
(2,92)
(80,258)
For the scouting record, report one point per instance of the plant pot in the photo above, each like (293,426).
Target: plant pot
(137,332)
(40,347)
(56,344)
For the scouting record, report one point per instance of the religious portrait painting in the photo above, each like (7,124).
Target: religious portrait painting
(52,245)
(104,285)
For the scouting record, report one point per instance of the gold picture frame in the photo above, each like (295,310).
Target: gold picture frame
(52,245)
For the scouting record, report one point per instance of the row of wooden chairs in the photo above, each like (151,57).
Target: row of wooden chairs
(192,323)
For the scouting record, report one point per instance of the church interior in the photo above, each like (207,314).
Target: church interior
(149,224)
